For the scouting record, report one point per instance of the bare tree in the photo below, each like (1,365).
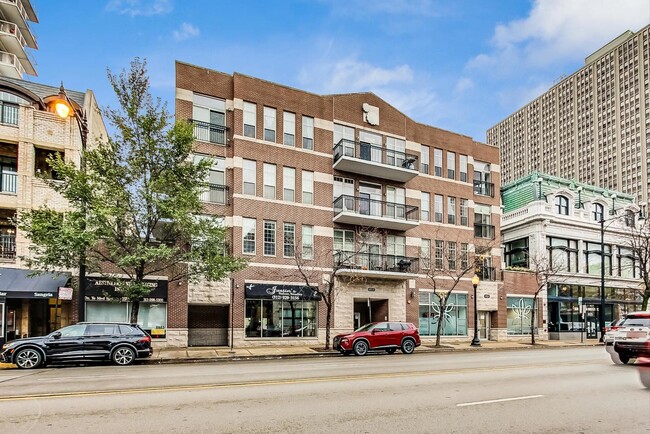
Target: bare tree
(544,268)
(325,267)
(638,242)
(451,263)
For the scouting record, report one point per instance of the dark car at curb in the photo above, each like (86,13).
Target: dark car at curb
(120,343)
(386,336)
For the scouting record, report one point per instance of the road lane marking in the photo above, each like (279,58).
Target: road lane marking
(285,381)
(492,401)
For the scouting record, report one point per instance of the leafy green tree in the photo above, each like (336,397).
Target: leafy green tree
(135,208)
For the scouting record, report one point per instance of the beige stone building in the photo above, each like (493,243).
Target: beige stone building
(29,132)
(592,126)
(353,188)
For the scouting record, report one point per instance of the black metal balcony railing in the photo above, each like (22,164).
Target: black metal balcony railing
(7,246)
(208,132)
(216,193)
(376,208)
(486,273)
(377,154)
(484,231)
(484,188)
(375,262)
(8,181)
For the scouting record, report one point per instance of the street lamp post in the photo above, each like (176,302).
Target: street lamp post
(601,310)
(65,108)
(476,341)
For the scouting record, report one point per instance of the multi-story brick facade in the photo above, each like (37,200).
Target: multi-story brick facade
(350,186)
(29,132)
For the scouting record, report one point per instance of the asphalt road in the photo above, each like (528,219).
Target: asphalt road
(539,390)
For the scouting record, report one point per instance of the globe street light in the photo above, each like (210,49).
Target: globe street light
(475,342)
(64,108)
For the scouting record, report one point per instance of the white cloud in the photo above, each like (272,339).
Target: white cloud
(463,84)
(421,8)
(140,7)
(186,31)
(557,30)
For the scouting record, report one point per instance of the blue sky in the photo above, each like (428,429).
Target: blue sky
(461,65)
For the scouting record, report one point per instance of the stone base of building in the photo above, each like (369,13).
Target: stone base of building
(174,338)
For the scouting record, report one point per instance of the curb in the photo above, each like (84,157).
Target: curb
(422,349)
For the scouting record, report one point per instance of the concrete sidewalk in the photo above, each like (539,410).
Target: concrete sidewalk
(212,354)
(223,354)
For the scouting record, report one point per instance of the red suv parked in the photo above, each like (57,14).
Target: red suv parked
(389,336)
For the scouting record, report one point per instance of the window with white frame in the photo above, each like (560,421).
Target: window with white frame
(563,254)
(451,165)
(464,212)
(425,206)
(395,152)
(627,263)
(289,238)
(598,212)
(343,240)
(269,180)
(289,128)
(438,254)
(437,162)
(451,210)
(464,256)
(425,253)
(250,119)
(451,254)
(463,168)
(289,184)
(269,238)
(424,159)
(437,208)
(209,119)
(250,174)
(307,187)
(269,124)
(344,141)
(248,236)
(307,242)
(562,205)
(308,132)
(594,258)
(216,189)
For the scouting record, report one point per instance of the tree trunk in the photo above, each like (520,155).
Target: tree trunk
(135,308)
(644,299)
(441,317)
(532,320)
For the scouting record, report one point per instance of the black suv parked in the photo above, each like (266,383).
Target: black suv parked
(121,343)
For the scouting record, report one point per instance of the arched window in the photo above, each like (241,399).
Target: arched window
(598,212)
(562,205)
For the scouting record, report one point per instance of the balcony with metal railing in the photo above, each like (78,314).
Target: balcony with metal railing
(371,160)
(361,211)
(484,188)
(211,133)
(376,265)
(7,246)
(10,66)
(14,42)
(484,231)
(215,193)
(8,181)
(14,11)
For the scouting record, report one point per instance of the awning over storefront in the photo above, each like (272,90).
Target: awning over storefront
(15,283)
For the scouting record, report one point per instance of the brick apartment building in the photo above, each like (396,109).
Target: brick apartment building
(345,182)
(29,132)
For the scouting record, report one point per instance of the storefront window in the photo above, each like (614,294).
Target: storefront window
(520,311)
(454,316)
(152,317)
(280,319)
